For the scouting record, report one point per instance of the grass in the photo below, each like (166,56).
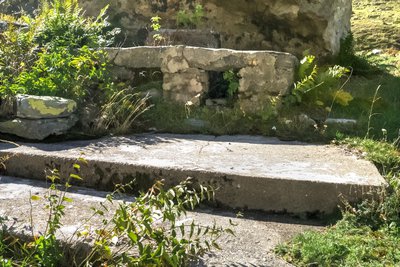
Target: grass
(376,23)
(345,244)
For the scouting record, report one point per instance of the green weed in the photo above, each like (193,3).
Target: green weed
(145,232)
(319,89)
(191,19)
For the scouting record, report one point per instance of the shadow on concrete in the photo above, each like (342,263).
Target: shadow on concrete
(144,140)
(296,219)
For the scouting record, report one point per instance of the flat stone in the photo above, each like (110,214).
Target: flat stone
(37,129)
(250,172)
(43,107)
(333,121)
(254,229)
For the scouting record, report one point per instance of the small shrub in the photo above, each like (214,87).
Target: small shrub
(233,82)
(318,89)
(146,232)
(60,53)
(156,26)
(190,19)
(153,234)
(57,72)
(68,62)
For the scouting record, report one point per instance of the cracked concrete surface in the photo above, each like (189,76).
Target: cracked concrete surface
(250,171)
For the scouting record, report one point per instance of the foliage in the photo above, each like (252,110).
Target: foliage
(147,232)
(46,249)
(17,53)
(345,244)
(122,109)
(57,72)
(57,54)
(319,88)
(63,24)
(233,82)
(359,64)
(156,26)
(151,225)
(191,19)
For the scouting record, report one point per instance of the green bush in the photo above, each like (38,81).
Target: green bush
(57,72)
(58,54)
(63,24)
(320,87)
(191,19)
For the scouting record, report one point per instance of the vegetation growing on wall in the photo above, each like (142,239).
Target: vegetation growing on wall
(190,19)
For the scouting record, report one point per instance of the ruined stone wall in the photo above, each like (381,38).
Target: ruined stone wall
(282,25)
(264,76)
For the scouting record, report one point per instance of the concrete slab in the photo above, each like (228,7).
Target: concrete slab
(249,171)
(256,234)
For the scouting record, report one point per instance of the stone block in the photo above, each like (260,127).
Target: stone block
(184,86)
(136,57)
(37,129)
(43,107)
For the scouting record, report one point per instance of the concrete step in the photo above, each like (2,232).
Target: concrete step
(256,234)
(249,171)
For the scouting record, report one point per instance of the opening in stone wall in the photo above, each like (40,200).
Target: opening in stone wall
(148,81)
(223,88)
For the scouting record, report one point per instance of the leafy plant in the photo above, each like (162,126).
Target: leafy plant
(57,72)
(17,54)
(191,19)
(58,54)
(46,249)
(233,82)
(63,24)
(152,232)
(320,89)
(156,26)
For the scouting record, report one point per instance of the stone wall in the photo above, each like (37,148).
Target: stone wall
(264,75)
(282,25)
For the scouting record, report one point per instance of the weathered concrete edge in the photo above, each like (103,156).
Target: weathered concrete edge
(234,191)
